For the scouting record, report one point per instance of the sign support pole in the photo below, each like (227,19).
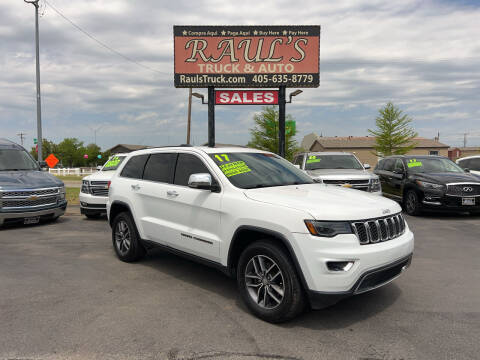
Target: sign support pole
(281,121)
(211,116)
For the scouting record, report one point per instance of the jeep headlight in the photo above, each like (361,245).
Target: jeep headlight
(375,185)
(85,187)
(328,228)
(430,186)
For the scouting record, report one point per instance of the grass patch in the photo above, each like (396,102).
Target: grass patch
(72,194)
(69,177)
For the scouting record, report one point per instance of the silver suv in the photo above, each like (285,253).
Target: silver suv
(339,168)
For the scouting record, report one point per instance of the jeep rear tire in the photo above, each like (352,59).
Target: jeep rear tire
(125,238)
(268,282)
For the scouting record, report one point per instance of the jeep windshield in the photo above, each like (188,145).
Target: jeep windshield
(113,163)
(432,165)
(257,170)
(15,160)
(316,162)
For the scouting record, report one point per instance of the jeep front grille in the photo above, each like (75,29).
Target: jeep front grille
(382,229)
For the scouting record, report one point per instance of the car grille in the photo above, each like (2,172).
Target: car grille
(99,188)
(382,229)
(355,184)
(382,276)
(28,193)
(463,190)
(26,203)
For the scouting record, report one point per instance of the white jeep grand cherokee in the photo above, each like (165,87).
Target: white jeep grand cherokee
(288,241)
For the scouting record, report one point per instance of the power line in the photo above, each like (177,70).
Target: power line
(118,53)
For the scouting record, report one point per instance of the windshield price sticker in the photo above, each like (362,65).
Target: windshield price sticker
(112,162)
(414,163)
(234,168)
(313,159)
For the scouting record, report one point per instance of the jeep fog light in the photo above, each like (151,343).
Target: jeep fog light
(339,265)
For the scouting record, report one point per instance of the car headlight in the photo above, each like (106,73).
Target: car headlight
(430,186)
(85,187)
(328,228)
(61,193)
(375,185)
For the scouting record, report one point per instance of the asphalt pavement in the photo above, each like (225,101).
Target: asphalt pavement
(64,295)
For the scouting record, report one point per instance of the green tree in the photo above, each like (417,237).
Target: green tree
(70,152)
(393,134)
(93,150)
(264,135)
(48,147)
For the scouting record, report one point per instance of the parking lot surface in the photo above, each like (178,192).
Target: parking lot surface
(64,294)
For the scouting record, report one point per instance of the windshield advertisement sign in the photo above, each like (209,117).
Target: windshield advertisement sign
(247,56)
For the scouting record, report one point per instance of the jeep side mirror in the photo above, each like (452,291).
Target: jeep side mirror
(366,166)
(201,181)
(398,171)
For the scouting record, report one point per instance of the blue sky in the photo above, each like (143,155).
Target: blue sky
(422,55)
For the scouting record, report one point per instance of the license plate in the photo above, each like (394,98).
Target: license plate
(468,201)
(31,220)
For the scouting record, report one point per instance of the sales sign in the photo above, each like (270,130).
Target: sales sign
(246,56)
(246,97)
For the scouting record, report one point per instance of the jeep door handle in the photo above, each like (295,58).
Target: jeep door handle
(172,193)
(135,187)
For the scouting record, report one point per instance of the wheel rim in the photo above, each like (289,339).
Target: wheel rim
(411,202)
(122,237)
(264,281)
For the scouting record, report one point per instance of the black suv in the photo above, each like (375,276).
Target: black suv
(428,182)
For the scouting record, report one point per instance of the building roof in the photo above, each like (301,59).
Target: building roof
(338,142)
(130,147)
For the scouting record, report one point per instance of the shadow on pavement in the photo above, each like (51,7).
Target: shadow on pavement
(340,315)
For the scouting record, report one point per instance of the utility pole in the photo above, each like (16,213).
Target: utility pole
(22,136)
(465,139)
(39,105)
(189,118)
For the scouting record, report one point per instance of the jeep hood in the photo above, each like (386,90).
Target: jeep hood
(326,202)
(100,176)
(28,179)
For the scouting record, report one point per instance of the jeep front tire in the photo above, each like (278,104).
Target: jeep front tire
(268,282)
(125,238)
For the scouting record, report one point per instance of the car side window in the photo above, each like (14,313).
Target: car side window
(464,163)
(160,167)
(188,164)
(134,167)
(474,164)
(299,160)
(399,166)
(389,165)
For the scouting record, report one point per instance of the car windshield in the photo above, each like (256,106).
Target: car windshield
(433,165)
(113,163)
(256,170)
(14,159)
(315,162)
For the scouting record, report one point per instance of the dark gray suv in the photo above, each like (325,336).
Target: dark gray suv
(27,194)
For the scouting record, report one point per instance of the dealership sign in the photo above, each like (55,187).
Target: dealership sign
(246,56)
(246,97)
